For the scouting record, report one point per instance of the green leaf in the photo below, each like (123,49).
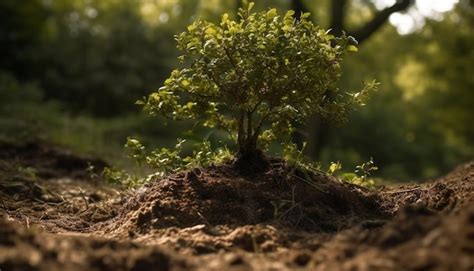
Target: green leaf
(272,13)
(334,167)
(330,37)
(251,4)
(185,83)
(191,27)
(349,176)
(210,31)
(290,13)
(352,48)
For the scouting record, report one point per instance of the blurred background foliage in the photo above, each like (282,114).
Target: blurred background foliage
(71,70)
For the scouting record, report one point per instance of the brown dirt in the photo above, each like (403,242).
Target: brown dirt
(53,216)
(218,195)
(49,162)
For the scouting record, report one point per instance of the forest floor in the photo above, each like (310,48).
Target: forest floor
(55,215)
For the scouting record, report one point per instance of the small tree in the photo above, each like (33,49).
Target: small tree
(255,76)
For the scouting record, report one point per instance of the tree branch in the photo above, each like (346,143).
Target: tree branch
(379,19)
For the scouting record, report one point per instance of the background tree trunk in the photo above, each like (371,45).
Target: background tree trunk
(317,129)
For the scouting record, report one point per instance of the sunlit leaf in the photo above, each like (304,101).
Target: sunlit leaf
(352,48)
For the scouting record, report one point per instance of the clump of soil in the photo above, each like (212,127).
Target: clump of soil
(23,249)
(218,195)
(217,218)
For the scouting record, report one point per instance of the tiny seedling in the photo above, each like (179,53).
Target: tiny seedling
(361,175)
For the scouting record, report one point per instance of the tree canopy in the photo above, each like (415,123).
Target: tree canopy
(255,76)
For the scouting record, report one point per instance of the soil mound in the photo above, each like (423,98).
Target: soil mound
(218,195)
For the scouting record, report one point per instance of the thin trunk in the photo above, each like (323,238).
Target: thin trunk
(241,132)
(338,8)
(249,126)
(247,137)
(318,130)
